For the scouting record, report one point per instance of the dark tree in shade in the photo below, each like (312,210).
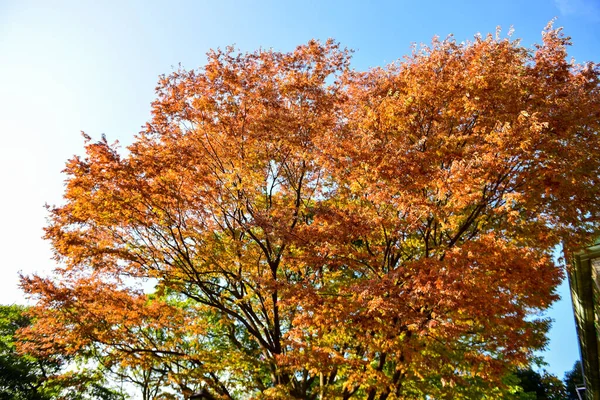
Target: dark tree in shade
(573,378)
(24,377)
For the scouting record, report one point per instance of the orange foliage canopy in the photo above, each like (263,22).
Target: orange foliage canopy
(317,232)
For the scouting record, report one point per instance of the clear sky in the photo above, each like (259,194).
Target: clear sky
(68,66)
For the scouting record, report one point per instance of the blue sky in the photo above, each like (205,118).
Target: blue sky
(68,66)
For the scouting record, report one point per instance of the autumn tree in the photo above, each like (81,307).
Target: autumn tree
(311,231)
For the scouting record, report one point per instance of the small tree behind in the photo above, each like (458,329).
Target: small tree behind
(25,377)
(573,380)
